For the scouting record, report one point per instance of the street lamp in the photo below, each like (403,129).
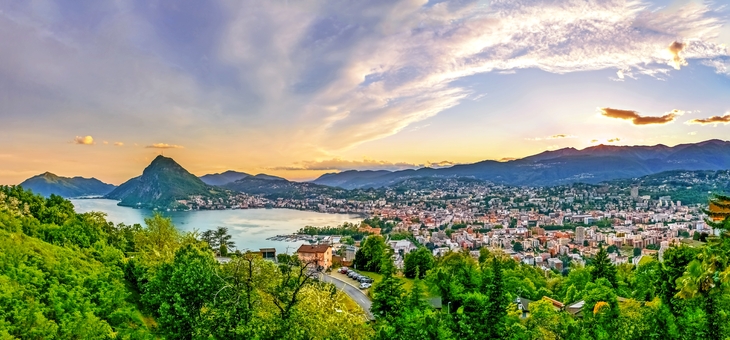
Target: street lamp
(448,307)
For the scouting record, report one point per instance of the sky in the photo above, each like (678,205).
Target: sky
(298,88)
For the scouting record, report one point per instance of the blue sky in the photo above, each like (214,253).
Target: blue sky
(300,88)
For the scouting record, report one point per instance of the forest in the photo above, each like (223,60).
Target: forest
(65,275)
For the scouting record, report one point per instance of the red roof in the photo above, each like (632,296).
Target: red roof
(317,248)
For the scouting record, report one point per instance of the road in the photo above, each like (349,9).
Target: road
(356,294)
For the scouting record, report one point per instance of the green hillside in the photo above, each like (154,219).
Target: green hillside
(48,183)
(161,185)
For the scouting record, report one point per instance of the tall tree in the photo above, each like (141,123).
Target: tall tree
(603,268)
(388,294)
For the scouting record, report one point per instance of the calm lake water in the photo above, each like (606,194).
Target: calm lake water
(249,227)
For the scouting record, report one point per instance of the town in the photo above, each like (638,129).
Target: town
(548,227)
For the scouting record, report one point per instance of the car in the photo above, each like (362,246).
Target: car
(366,280)
(365,285)
(363,278)
(343,270)
(356,277)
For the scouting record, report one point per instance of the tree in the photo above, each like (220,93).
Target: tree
(637,252)
(388,294)
(418,262)
(518,247)
(370,254)
(603,268)
(497,306)
(180,290)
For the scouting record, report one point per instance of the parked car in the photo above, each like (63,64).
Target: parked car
(356,277)
(365,285)
(343,270)
(366,280)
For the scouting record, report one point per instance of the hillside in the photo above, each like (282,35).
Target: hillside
(564,166)
(275,187)
(223,178)
(48,183)
(161,184)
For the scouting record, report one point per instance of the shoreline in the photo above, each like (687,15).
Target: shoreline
(358,214)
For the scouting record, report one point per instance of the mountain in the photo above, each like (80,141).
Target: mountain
(276,187)
(161,185)
(569,165)
(48,183)
(223,178)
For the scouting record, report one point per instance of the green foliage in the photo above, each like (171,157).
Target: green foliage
(51,291)
(418,263)
(369,256)
(388,294)
(603,268)
(346,229)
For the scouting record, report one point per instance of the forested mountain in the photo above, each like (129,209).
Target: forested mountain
(48,183)
(568,165)
(223,178)
(275,187)
(161,184)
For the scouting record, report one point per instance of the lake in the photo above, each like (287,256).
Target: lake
(249,228)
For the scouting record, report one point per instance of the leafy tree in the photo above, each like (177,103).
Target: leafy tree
(418,263)
(369,256)
(637,252)
(603,268)
(517,246)
(180,290)
(388,294)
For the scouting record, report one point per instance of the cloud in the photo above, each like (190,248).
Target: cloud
(637,119)
(506,159)
(561,136)
(332,73)
(382,75)
(367,164)
(594,140)
(692,133)
(613,140)
(87,140)
(163,146)
(556,136)
(118,144)
(712,120)
(677,61)
(106,142)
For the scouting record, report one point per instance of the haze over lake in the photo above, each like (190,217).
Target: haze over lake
(249,227)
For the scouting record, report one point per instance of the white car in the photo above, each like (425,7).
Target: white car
(365,285)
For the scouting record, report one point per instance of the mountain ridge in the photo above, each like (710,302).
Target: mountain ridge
(568,165)
(48,183)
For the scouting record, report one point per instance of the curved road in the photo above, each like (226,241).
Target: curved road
(355,293)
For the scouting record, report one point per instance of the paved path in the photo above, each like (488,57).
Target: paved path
(354,292)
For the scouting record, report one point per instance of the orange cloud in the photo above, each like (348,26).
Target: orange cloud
(638,119)
(614,140)
(164,146)
(674,48)
(712,120)
(88,140)
(119,144)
